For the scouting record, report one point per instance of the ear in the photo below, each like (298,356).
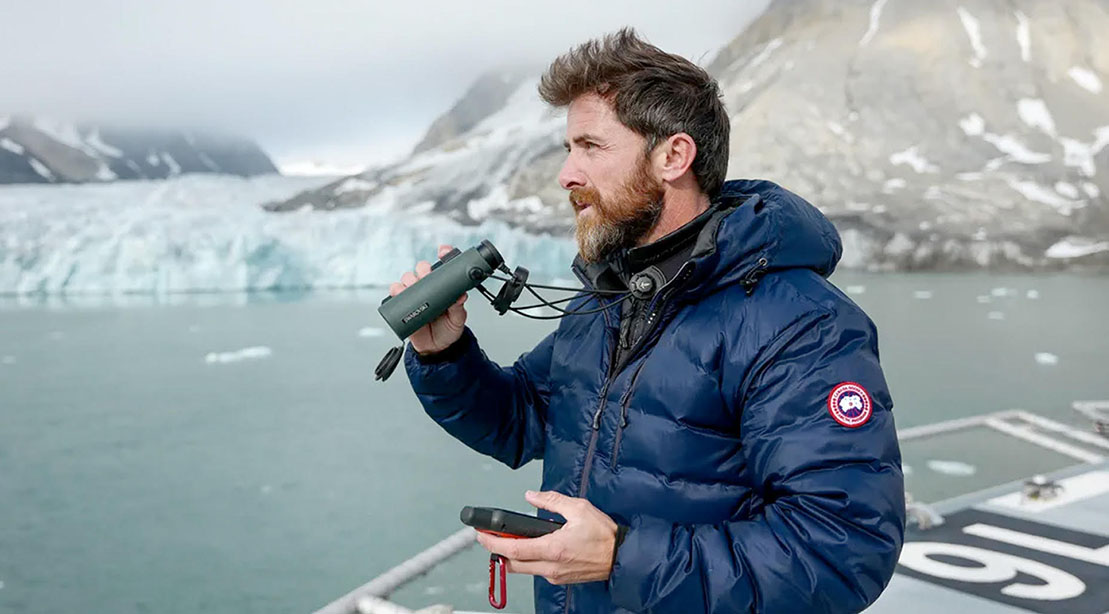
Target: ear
(673,157)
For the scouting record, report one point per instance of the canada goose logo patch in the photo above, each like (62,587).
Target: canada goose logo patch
(849,404)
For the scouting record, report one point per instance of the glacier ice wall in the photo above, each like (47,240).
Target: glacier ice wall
(208,234)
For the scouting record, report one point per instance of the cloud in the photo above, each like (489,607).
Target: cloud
(331,78)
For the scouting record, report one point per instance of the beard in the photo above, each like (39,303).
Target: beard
(620,221)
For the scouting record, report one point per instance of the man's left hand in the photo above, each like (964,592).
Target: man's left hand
(580,551)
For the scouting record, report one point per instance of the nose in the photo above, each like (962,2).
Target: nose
(570,176)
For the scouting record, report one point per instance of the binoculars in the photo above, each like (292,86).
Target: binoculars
(451,276)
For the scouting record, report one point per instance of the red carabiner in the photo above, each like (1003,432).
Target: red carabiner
(496,560)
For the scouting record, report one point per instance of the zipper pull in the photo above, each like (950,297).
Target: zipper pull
(597,419)
(753,277)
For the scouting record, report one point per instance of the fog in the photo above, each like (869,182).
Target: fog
(339,81)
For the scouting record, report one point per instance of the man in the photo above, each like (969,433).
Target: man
(724,441)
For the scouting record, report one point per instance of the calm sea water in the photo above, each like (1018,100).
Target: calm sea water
(138,475)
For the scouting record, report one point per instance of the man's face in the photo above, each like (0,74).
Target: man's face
(613,189)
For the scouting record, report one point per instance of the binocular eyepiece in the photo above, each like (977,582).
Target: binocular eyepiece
(451,276)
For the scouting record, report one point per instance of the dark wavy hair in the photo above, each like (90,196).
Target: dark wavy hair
(654,93)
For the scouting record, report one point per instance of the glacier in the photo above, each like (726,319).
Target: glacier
(209,233)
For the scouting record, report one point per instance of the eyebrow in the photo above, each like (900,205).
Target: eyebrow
(583,138)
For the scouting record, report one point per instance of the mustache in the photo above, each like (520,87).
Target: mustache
(584,197)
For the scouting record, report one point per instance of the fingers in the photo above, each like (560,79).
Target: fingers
(408,278)
(556,502)
(444,249)
(535,568)
(423,267)
(536,549)
(395,289)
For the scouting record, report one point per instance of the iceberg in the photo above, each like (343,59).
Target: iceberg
(954,468)
(249,353)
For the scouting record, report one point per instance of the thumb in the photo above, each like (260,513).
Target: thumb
(551,501)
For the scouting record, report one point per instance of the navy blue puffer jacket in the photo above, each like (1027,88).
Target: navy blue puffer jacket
(734,443)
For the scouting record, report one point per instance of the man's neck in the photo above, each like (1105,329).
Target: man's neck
(679,207)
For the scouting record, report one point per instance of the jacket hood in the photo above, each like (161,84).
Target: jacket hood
(757,227)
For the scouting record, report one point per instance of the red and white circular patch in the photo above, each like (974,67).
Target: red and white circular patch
(849,404)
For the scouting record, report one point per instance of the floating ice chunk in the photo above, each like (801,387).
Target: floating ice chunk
(995,315)
(875,18)
(1024,38)
(370,331)
(1034,113)
(974,33)
(922,295)
(906,469)
(955,468)
(912,158)
(434,590)
(856,290)
(265,489)
(8,360)
(1046,358)
(1002,292)
(983,299)
(1076,247)
(973,125)
(1085,79)
(249,353)
(1033,294)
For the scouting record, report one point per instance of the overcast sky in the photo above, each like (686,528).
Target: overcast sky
(339,81)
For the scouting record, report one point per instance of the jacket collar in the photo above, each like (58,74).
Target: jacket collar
(753,227)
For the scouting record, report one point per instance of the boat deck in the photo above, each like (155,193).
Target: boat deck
(1037,544)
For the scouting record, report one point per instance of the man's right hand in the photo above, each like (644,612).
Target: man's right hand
(441,332)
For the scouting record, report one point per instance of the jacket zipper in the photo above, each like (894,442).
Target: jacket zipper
(591,448)
(614,371)
(624,401)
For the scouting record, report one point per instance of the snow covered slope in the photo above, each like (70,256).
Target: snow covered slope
(951,134)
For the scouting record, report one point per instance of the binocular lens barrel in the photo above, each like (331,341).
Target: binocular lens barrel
(450,278)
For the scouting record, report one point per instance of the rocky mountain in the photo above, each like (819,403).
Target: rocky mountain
(38,150)
(952,134)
